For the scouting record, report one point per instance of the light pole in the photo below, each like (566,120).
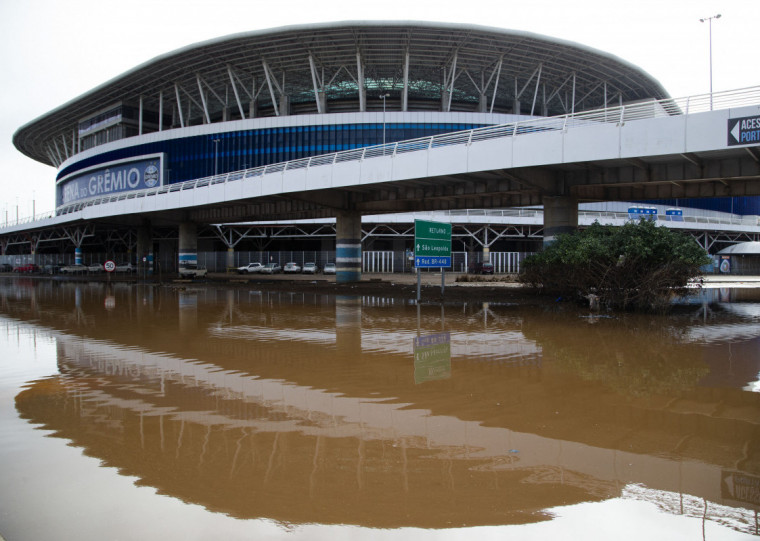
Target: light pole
(216,156)
(383,96)
(709,24)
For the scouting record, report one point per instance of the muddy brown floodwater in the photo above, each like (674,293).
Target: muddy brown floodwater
(133,411)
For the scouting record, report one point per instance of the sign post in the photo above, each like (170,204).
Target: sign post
(432,248)
(109,266)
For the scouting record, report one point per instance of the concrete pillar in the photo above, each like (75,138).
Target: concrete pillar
(230,258)
(516,107)
(78,255)
(560,216)
(144,250)
(188,244)
(348,247)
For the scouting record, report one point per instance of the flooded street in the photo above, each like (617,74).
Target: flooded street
(157,412)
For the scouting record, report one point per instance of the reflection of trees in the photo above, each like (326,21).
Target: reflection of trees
(634,355)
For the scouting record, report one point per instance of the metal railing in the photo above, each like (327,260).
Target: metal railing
(618,115)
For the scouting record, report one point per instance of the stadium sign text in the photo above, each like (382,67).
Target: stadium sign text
(114,178)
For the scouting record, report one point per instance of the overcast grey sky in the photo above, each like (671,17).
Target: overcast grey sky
(53,50)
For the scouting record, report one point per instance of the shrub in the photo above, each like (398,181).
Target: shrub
(637,266)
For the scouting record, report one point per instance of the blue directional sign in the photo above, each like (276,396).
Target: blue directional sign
(432,244)
(744,131)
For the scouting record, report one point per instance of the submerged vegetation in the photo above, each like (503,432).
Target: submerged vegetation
(639,266)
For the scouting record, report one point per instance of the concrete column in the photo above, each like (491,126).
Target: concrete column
(188,244)
(560,216)
(348,247)
(230,258)
(144,250)
(77,255)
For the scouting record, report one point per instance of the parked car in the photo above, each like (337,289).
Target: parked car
(124,267)
(271,268)
(192,271)
(481,268)
(329,268)
(310,268)
(250,268)
(51,269)
(95,267)
(27,268)
(6,267)
(73,269)
(291,267)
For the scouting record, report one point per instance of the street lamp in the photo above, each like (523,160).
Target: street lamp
(216,156)
(383,96)
(709,23)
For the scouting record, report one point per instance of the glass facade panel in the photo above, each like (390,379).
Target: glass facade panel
(194,157)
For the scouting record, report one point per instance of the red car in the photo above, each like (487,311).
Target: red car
(27,267)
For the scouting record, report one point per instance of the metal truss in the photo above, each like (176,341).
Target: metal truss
(346,67)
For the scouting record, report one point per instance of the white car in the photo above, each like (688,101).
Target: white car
(271,268)
(124,267)
(310,268)
(73,269)
(291,267)
(193,271)
(95,267)
(250,268)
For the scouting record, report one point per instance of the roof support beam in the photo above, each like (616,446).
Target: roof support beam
(405,94)
(535,93)
(360,82)
(317,83)
(179,106)
(496,84)
(65,146)
(203,99)
(234,91)
(270,81)
(161,110)
(57,151)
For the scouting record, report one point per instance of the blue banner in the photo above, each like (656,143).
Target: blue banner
(115,178)
(428,262)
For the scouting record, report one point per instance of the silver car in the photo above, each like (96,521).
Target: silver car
(310,268)
(291,267)
(250,268)
(329,268)
(271,268)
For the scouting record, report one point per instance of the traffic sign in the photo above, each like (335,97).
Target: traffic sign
(432,244)
(744,131)
(109,266)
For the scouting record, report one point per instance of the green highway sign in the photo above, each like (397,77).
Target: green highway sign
(432,244)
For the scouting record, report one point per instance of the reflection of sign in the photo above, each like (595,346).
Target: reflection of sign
(740,487)
(432,357)
(116,177)
(432,244)
(110,302)
(744,131)
(109,266)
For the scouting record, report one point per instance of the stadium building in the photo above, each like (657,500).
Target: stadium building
(249,100)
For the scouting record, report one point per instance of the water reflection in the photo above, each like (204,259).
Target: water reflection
(306,408)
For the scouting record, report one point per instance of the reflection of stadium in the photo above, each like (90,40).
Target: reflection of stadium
(244,101)
(205,423)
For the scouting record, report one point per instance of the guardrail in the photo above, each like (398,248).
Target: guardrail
(612,115)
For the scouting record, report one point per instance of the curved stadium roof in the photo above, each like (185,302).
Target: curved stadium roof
(448,67)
